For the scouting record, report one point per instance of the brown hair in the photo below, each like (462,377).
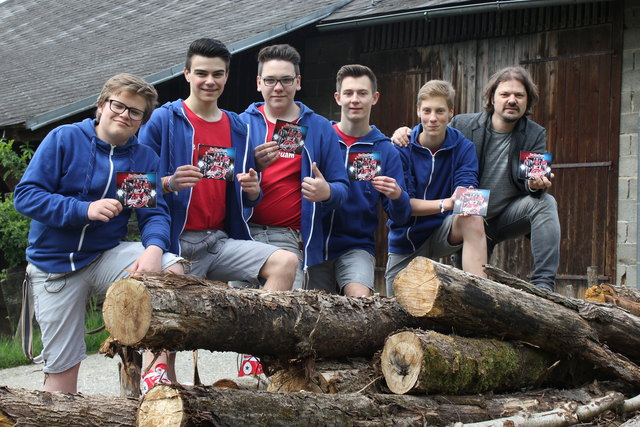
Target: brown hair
(129,83)
(356,70)
(504,75)
(282,52)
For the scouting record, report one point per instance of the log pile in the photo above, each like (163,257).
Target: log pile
(422,358)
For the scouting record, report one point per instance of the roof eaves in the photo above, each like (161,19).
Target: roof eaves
(89,102)
(432,12)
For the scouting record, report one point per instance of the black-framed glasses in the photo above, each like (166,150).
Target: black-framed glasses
(119,108)
(272,81)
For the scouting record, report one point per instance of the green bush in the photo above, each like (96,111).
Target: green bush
(13,160)
(14,229)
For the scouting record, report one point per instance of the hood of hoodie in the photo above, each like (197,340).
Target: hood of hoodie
(304,110)
(88,128)
(452,138)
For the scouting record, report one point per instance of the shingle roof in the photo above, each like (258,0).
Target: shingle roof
(364,8)
(59,52)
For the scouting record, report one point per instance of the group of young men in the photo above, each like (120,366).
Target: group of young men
(288,219)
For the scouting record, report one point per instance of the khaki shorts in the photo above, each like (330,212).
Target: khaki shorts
(60,301)
(331,276)
(435,247)
(213,255)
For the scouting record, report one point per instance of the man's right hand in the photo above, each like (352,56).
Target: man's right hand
(104,209)
(401,136)
(185,176)
(266,154)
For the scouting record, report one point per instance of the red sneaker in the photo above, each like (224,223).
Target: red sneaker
(250,365)
(153,377)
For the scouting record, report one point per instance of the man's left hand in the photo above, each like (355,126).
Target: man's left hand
(540,182)
(316,189)
(149,261)
(387,186)
(249,183)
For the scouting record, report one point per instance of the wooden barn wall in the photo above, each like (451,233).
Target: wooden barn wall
(574,55)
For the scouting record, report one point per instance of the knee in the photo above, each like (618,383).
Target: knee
(548,202)
(285,260)
(472,227)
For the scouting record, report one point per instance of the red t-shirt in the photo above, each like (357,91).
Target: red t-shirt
(349,140)
(281,185)
(208,197)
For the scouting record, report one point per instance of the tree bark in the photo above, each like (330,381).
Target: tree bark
(175,405)
(328,376)
(129,366)
(186,313)
(431,290)
(615,326)
(419,362)
(41,408)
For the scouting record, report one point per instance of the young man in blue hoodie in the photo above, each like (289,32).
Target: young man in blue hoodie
(350,229)
(69,192)
(437,160)
(297,188)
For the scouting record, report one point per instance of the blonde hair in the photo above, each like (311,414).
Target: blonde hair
(129,83)
(434,88)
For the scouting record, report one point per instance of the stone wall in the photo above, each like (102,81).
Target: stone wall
(627,245)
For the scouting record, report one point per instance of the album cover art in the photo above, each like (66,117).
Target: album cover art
(533,165)
(471,201)
(289,136)
(364,166)
(136,189)
(216,162)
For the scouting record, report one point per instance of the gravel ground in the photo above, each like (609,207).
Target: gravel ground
(99,374)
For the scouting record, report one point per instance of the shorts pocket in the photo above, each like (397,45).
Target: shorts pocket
(55,282)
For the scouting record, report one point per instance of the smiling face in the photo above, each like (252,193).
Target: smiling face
(279,98)
(356,98)
(207,78)
(434,114)
(114,128)
(510,101)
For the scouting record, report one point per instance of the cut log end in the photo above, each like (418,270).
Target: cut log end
(416,286)
(161,406)
(402,361)
(127,311)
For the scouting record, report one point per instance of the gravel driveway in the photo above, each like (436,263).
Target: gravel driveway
(99,374)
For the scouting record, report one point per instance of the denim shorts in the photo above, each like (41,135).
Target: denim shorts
(60,301)
(331,276)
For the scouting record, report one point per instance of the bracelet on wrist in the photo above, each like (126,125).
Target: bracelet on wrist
(166,185)
(441,205)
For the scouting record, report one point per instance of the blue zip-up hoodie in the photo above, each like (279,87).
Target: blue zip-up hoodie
(320,146)
(353,225)
(170,134)
(71,168)
(432,177)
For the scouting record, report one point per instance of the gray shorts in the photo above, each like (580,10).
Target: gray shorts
(331,276)
(436,246)
(282,237)
(60,301)
(213,255)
